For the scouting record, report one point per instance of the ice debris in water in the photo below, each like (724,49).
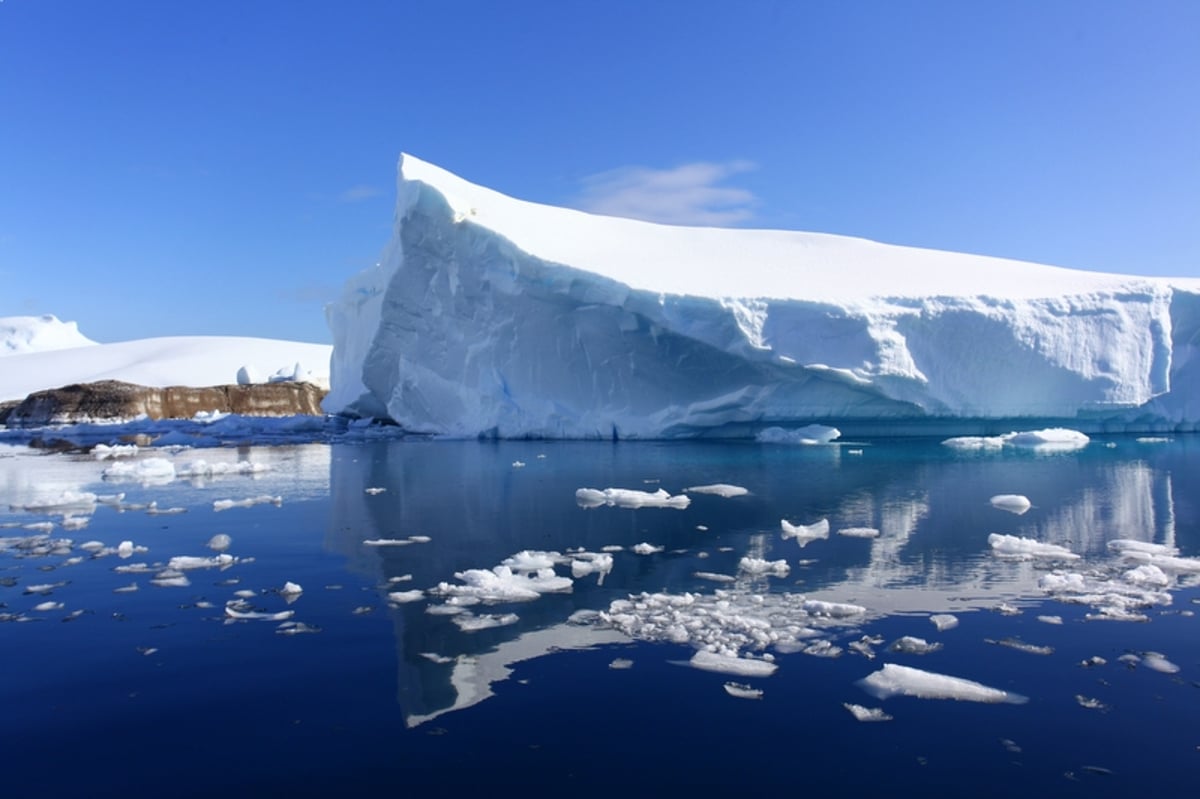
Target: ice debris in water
(527,582)
(103,452)
(402,597)
(585,563)
(374,490)
(1013,503)
(745,666)
(254,615)
(1112,598)
(893,680)
(1021,646)
(397,542)
(630,498)
(1157,662)
(809,434)
(202,468)
(621,663)
(912,645)
(187,562)
(944,621)
(859,532)
(219,542)
(148,471)
(761,567)
(647,549)
(226,504)
(290,592)
(866,713)
(805,533)
(1050,619)
(1054,439)
(743,691)
(1090,703)
(714,577)
(1011,546)
(720,489)
(470,623)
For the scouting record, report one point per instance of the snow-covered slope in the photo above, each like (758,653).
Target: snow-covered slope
(21,334)
(491,315)
(167,361)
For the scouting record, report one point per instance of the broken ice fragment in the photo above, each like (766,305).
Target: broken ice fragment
(866,713)
(892,680)
(742,691)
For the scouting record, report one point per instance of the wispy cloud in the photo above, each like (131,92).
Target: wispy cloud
(688,194)
(356,194)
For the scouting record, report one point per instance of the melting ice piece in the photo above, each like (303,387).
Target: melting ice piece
(914,646)
(1021,646)
(1157,662)
(374,490)
(1013,503)
(866,713)
(743,691)
(621,663)
(265,499)
(291,591)
(944,621)
(809,434)
(149,471)
(282,615)
(219,542)
(892,680)
(720,489)
(859,532)
(804,533)
(1011,546)
(401,597)
(647,549)
(469,623)
(731,664)
(760,567)
(630,498)
(714,577)
(185,562)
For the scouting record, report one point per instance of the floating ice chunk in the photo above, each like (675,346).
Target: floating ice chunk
(944,621)
(255,615)
(126,589)
(1156,662)
(893,679)
(81,501)
(103,452)
(401,578)
(1147,574)
(518,464)
(436,658)
(295,628)
(621,663)
(188,562)
(75,522)
(374,490)
(1153,440)
(912,645)
(1021,646)
(202,468)
(1055,439)
(149,471)
(834,610)
(265,499)
(714,577)
(219,542)
(732,664)
(245,593)
(44,527)
(1128,546)
(859,532)
(975,442)
(290,591)
(419,539)
(125,549)
(809,434)
(153,510)
(585,563)
(866,713)
(805,533)
(530,560)
(386,542)
(43,607)
(401,597)
(647,549)
(720,489)
(1089,703)
(760,567)
(502,584)
(1013,503)
(1011,546)
(1006,609)
(45,589)
(469,623)
(1050,619)
(171,578)
(630,498)
(743,691)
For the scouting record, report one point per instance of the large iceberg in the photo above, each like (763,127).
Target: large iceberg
(492,316)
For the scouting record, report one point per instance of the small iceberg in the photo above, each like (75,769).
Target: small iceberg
(893,680)
(1013,503)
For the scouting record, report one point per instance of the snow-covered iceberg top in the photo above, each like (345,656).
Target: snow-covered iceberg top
(489,315)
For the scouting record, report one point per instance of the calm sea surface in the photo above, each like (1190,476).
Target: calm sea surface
(170,690)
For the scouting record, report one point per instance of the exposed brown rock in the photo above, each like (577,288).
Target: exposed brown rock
(113,399)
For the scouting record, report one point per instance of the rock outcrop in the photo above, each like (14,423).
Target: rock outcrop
(113,400)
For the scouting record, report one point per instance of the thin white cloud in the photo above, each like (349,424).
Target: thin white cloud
(688,194)
(356,194)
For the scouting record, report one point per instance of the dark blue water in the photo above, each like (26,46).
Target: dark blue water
(233,708)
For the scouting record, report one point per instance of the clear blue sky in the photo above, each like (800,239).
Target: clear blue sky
(221,167)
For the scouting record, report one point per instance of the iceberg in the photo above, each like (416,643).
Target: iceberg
(495,317)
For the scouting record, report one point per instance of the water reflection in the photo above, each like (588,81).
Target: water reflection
(931,508)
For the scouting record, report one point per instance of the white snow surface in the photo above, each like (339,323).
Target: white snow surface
(495,316)
(44,353)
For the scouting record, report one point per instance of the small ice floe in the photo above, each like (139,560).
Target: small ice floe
(1011,546)
(397,542)
(1153,440)
(1113,599)
(832,610)
(1055,439)
(402,597)
(1013,503)
(103,452)
(763,568)
(865,646)
(170,578)
(146,651)
(502,584)
(1094,660)
(148,471)
(419,539)
(518,464)
(436,658)
(44,607)
(374,490)
(732,664)
(743,691)
(92,546)
(532,560)
(702,528)
(80,501)
(202,468)
(621,664)
(804,533)
(892,680)
(189,562)
(254,615)
(470,623)
(585,563)
(290,592)
(866,713)
(944,621)
(296,628)
(125,549)
(126,589)
(1020,646)
(219,542)
(45,589)
(1157,662)
(1050,619)
(859,532)
(245,593)
(630,498)
(612,548)
(911,645)
(401,578)
(362,610)
(809,434)
(153,510)
(1090,703)
(40,527)
(1010,746)
(249,502)
(75,522)
(822,649)
(714,577)
(1005,609)
(647,549)
(720,489)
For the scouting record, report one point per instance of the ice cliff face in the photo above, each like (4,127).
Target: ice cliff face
(492,316)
